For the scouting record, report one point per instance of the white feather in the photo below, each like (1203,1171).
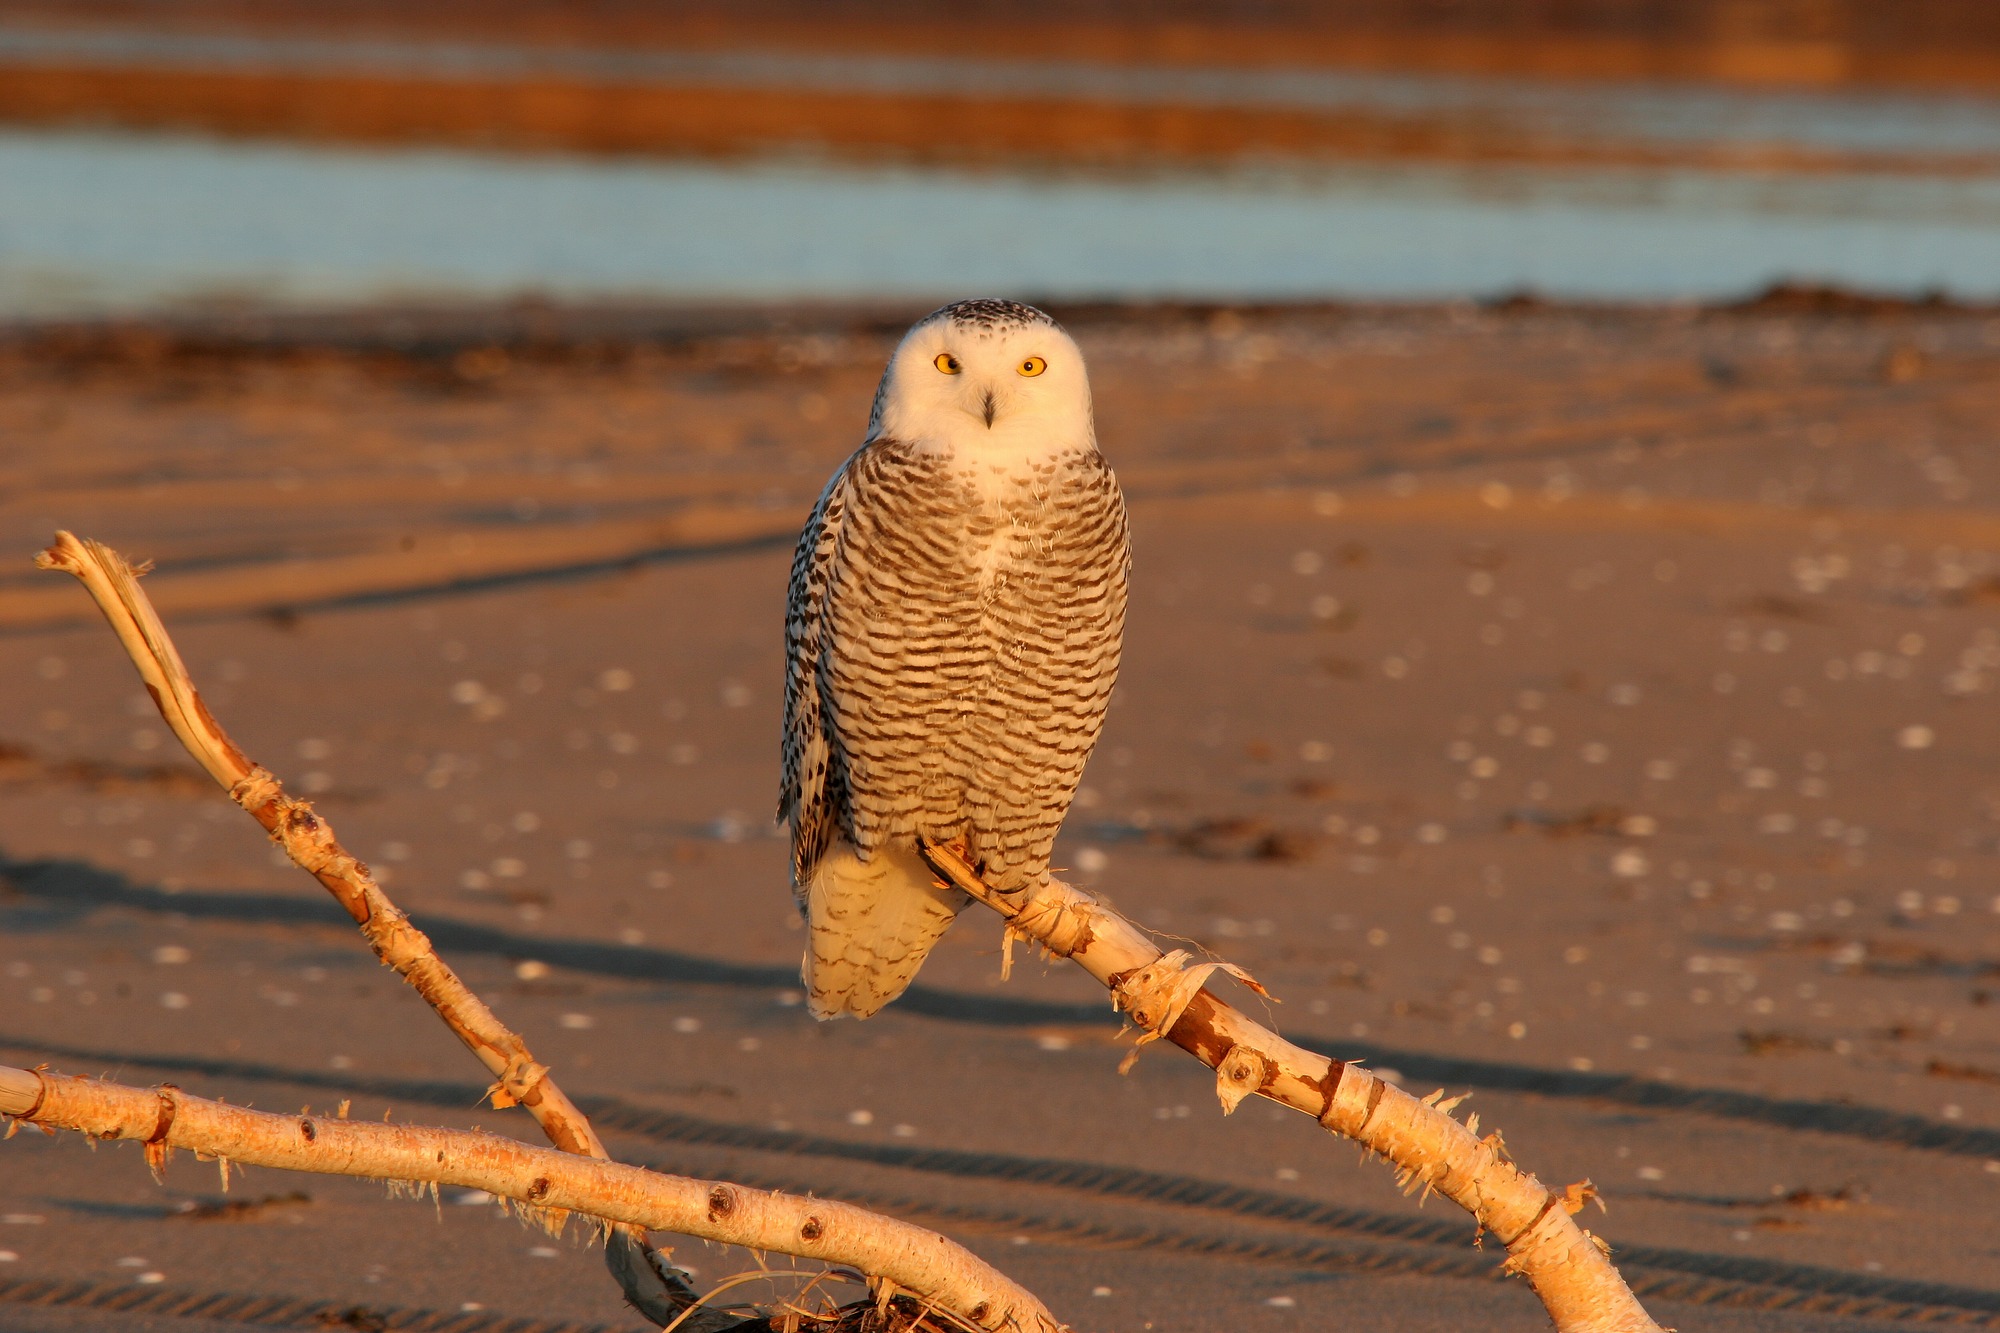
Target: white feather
(870,925)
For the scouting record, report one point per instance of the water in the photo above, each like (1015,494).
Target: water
(99,222)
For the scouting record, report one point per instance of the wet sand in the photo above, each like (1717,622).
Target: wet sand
(1591,710)
(1091,87)
(1831,43)
(976,129)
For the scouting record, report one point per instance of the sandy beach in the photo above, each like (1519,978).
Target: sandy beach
(1589,709)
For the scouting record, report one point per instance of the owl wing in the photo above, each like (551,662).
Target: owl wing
(803,798)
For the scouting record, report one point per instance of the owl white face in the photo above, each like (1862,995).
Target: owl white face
(988,379)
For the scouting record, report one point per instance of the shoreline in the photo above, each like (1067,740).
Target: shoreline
(551,328)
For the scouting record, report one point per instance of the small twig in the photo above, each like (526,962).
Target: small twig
(551,1184)
(1567,1266)
(649,1281)
(728,1283)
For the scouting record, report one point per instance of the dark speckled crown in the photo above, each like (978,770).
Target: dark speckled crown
(989,315)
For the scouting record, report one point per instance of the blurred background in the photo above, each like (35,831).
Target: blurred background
(1565,626)
(356,150)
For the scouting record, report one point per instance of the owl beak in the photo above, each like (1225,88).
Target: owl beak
(987,405)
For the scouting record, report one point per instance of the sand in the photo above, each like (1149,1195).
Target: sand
(1829,44)
(1591,710)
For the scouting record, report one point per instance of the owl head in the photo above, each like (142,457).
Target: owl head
(985,376)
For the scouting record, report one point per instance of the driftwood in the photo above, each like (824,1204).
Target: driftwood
(1568,1267)
(550,1185)
(1162,992)
(937,1273)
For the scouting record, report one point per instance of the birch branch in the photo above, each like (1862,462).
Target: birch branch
(1568,1267)
(653,1286)
(551,1184)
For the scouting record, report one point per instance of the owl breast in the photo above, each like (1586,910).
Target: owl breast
(972,630)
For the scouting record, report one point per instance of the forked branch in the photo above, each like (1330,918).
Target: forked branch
(653,1286)
(1568,1267)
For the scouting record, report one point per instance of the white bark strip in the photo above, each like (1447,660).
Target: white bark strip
(1567,1266)
(647,1278)
(917,1260)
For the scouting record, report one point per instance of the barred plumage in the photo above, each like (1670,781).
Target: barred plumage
(957,604)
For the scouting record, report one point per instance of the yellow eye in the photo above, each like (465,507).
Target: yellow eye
(1034,365)
(947,363)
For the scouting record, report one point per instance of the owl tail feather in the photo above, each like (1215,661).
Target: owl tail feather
(869,925)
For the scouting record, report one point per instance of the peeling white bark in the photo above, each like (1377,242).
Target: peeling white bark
(1568,1267)
(553,1184)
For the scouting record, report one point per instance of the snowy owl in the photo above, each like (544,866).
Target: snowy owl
(952,634)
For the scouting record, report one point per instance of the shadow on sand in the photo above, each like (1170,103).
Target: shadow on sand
(53,895)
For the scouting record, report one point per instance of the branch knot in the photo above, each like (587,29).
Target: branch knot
(1243,1071)
(1157,994)
(256,789)
(519,1083)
